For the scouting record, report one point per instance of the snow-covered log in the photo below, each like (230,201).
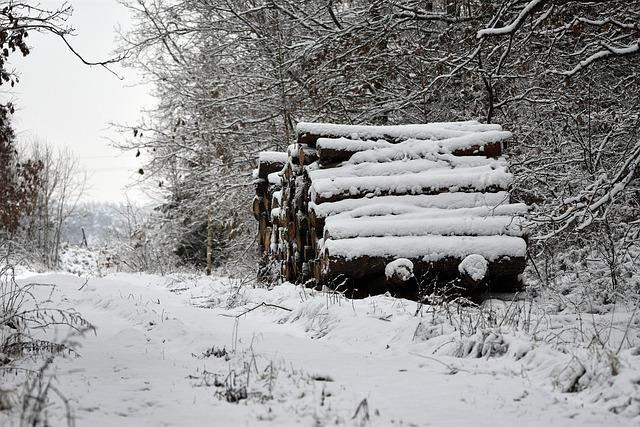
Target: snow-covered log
(270,162)
(365,276)
(428,182)
(319,214)
(404,166)
(309,133)
(410,225)
(333,151)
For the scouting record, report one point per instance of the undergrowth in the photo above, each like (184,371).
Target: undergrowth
(26,351)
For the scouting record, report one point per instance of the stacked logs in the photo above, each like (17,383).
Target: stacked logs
(267,183)
(346,204)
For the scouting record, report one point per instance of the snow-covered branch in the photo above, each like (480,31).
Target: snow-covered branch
(527,10)
(609,51)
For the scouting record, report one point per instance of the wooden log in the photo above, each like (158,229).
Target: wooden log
(333,151)
(263,225)
(313,266)
(300,194)
(301,243)
(286,269)
(275,181)
(306,155)
(270,162)
(424,225)
(309,133)
(267,239)
(276,198)
(365,275)
(291,225)
(276,217)
(360,257)
(257,207)
(282,246)
(261,186)
(296,263)
(424,190)
(438,201)
(330,157)
(313,240)
(445,201)
(436,163)
(309,254)
(294,153)
(289,171)
(399,272)
(273,249)
(285,196)
(265,169)
(431,182)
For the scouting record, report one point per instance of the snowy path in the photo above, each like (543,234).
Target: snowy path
(313,366)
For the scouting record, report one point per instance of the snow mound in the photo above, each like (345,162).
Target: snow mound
(401,268)
(474,266)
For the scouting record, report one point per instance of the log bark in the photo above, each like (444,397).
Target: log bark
(306,155)
(257,207)
(262,187)
(263,225)
(267,167)
(277,220)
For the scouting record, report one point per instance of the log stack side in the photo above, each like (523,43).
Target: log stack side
(267,183)
(346,204)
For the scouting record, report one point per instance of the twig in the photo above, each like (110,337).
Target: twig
(451,368)
(262,304)
(84,284)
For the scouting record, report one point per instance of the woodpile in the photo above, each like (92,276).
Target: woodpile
(371,209)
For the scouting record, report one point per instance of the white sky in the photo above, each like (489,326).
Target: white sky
(66,103)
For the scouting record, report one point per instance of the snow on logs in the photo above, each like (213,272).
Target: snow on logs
(378,208)
(428,182)
(417,225)
(309,133)
(336,150)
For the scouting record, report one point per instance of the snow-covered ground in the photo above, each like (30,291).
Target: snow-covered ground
(189,351)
